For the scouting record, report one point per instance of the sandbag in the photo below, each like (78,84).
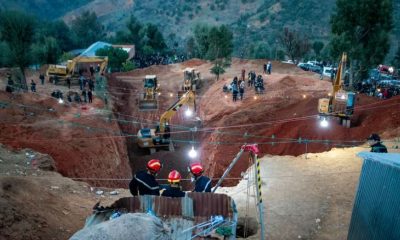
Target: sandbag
(129,226)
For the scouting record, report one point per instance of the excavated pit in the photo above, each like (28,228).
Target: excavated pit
(283,117)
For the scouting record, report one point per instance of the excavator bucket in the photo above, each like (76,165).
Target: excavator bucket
(148,105)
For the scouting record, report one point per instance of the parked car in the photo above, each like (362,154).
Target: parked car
(288,61)
(315,68)
(327,71)
(304,66)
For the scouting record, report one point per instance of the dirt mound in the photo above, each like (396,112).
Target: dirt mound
(193,62)
(37,204)
(82,141)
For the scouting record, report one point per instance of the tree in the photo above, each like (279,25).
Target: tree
(220,49)
(396,59)
(191,47)
(46,51)
(365,35)
(116,57)
(17,30)
(152,41)
(87,29)
(131,34)
(201,35)
(128,66)
(317,47)
(296,45)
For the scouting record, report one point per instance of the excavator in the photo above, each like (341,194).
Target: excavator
(148,100)
(340,103)
(160,137)
(71,71)
(191,81)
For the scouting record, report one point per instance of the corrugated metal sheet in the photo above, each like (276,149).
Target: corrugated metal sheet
(376,210)
(182,213)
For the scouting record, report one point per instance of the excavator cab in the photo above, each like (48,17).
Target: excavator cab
(191,81)
(148,99)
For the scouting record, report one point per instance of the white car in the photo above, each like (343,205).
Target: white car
(327,71)
(288,61)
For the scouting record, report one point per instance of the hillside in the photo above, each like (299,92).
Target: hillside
(45,9)
(255,23)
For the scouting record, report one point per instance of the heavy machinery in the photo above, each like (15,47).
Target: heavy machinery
(71,70)
(340,103)
(191,81)
(160,137)
(148,100)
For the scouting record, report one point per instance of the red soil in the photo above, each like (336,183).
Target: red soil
(82,142)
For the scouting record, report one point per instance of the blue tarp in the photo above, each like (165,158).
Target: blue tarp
(91,51)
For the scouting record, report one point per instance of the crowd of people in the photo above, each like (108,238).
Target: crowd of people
(145,183)
(237,86)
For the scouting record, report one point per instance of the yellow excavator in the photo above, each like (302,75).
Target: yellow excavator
(160,136)
(191,81)
(71,70)
(148,100)
(340,103)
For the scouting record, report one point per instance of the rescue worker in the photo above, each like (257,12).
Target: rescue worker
(174,189)
(375,143)
(202,183)
(144,182)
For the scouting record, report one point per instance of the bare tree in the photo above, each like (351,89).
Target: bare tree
(295,44)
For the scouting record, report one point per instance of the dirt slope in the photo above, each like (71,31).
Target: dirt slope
(82,141)
(41,205)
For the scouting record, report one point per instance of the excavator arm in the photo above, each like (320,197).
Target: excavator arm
(338,83)
(187,99)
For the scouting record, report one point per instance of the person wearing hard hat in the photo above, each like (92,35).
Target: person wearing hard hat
(144,182)
(375,143)
(174,189)
(202,183)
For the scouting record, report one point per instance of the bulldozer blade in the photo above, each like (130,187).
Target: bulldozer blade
(148,105)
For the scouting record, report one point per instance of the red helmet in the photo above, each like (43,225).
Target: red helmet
(174,177)
(196,169)
(154,165)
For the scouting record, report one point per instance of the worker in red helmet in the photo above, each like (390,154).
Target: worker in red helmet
(202,183)
(144,182)
(174,189)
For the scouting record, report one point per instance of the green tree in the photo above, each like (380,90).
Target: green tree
(396,59)
(191,47)
(317,47)
(201,35)
(220,49)
(46,51)
(87,29)
(128,66)
(152,41)
(295,44)
(17,30)
(116,57)
(361,28)
(131,34)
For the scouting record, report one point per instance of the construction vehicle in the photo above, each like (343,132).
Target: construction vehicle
(71,70)
(191,81)
(340,103)
(160,137)
(148,100)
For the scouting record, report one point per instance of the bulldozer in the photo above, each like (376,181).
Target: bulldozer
(71,70)
(340,103)
(191,81)
(148,99)
(159,137)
